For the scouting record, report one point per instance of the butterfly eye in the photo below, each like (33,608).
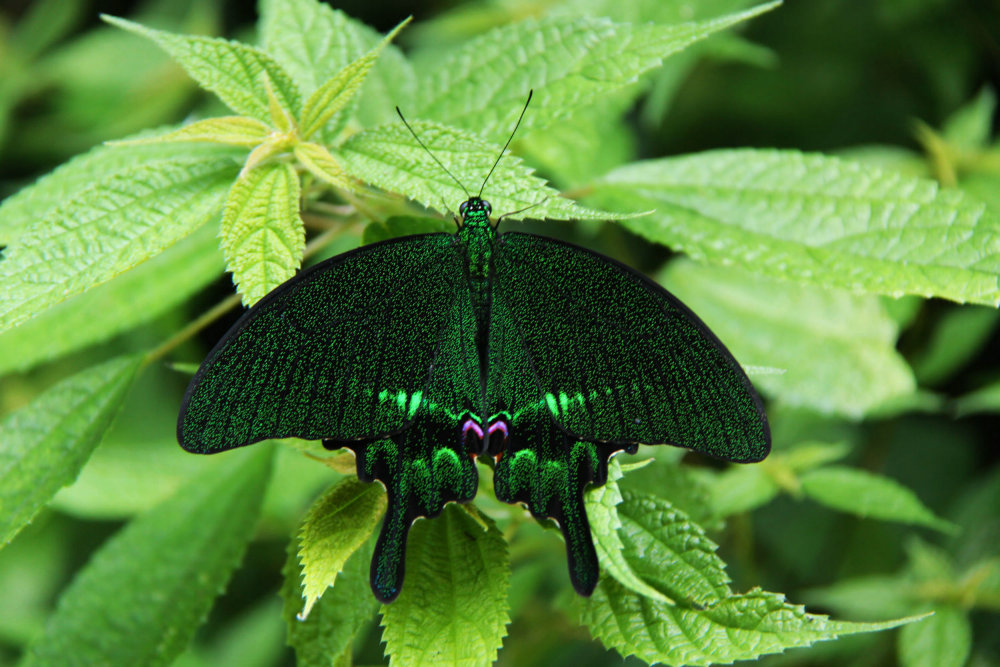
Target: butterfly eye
(463,208)
(487,208)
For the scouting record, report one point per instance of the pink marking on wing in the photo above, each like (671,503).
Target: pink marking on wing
(471,426)
(499,426)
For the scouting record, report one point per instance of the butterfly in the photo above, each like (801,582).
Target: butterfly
(425,353)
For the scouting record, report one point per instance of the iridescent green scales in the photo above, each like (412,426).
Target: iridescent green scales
(424,352)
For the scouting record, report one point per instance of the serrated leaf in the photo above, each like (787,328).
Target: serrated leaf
(816,219)
(262,234)
(321,164)
(389,157)
(670,552)
(23,209)
(337,617)
(229,130)
(313,42)
(335,93)
(236,72)
(738,627)
(336,526)
(942,640)
(783,324)
(453,608)
(162,573)
(112,226)
(570,62)
(601,506)
(46,443)
(868,495)
(133,298)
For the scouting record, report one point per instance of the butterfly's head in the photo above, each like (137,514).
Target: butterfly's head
(475,212)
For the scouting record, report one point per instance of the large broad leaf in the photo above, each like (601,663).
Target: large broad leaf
(812,218)
(135,297)
(388,156)
(738,627)
(142,596)
(570,62)
(238,73)
(943,640)
(112,226)
(453,608)
(262,234)
(786,325)
(46,443)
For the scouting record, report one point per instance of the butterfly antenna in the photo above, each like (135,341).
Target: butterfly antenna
(521,210)
(424,146)
(530,92)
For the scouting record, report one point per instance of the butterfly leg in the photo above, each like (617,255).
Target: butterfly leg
(549,471)
(423,468)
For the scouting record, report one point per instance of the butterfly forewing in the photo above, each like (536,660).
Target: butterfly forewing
(615,357)
(343,351)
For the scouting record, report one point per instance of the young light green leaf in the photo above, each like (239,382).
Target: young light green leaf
(229,130)
(570,62)
(162,572)
(942,640)
(969,127)
(812,218)
(670,552)
(334,95)
(453,608)
(738,627)
(782,324)
(237,73)
(46,443)
(336,526)
(389,157)
(601,505)
(338,615)
(868,495)
(313,42)
(321,164)
(262,234)
(135,297)
(134,214)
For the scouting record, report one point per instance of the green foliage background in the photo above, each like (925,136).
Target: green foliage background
(819,181)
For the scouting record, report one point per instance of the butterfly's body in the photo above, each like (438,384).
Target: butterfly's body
(424,353)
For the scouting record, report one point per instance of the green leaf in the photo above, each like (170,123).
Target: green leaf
(22,210)
(43,24)
(955,340)
(135,297)
(742,488)
(601,505)
(46,443)
(337,617)
(103,230)
(237,73)
(868,495)
(867,598)
(782,324)
(334,95)
(144,593)
(570,62)
(336,526)
(404,226)
(314,42)
(670,552)
(983,399)
(262,234)
(816,219)
(321,164)
(969,127)
(389,157)
(453,608)
(229,130)
(738,627)
(942,640)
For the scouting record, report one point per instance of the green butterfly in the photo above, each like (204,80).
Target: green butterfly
(425,352)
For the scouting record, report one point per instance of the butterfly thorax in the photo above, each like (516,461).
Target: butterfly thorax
(477,237)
